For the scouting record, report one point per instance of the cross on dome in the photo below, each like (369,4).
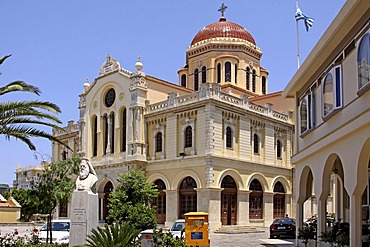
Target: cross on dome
(222,9)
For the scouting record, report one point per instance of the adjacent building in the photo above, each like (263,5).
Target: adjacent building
(332,137)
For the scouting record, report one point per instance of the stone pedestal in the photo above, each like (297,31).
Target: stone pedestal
(84,216)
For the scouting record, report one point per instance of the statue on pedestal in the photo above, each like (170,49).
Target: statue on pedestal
(87,179)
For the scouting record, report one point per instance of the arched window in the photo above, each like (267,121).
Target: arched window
(123,129)
(328,98)
(363,61)
(188,196)
(158,142)
(227,72)
(254,81)
(108,188)
(95,135)
(279,201)
(196,80)
(219,73)
(247,78)
(229,137)
(278,150)
(256,144)
(160,201)
(263,85)
(255,200)
(183,80)
(188,137)
(204,74)
(105,133)
(236,73)
(112,119)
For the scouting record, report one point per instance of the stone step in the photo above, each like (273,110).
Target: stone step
(239,229)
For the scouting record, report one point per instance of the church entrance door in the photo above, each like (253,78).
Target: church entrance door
(228,201)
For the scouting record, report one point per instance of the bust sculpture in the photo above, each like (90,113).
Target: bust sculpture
(87,179)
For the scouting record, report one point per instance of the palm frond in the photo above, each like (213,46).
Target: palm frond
(19,86)
(2,59)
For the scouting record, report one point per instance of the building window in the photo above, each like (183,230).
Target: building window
(183,80)
(227,72)
(124,127)
(229,137)
(278,150)
(363,61)
(219,73)
(63,209)
(263,85)
(236,73)
(196,80)
(332,91)
(255,200)
(105,133)
(254,81)
(158,142)
(204,74)
(112,119)
(279,201)
(247,78)
(256,144)
(188,137)
(95,135)
(187,196)
(307,112)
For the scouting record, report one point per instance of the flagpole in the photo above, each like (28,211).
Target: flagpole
(298,58)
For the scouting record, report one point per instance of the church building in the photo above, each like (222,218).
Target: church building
(215,141)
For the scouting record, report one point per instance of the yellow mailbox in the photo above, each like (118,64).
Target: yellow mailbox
(196,229)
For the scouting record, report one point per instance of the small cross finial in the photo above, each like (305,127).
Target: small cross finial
(222,9)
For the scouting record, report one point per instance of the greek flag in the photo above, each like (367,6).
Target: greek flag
(308,21)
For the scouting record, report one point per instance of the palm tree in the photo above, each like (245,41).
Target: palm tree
(19,119)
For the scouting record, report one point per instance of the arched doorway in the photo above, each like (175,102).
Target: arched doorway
(108,188)
(187,196)
(228,201)
(255,200)
(160,202)
(279,201)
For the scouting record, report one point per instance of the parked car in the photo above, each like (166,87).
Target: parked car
(60,231)
(283,227)
(177,227)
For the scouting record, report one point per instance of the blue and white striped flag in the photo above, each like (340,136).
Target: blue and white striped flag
(308,21)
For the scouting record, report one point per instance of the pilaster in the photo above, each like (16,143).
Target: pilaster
(171,211)
(268,199)
(209,201)
(243,207)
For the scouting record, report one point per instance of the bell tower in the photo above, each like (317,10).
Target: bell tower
(138,89)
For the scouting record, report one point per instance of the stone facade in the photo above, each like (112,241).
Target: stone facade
(208,143)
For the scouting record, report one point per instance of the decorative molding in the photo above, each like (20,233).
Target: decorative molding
(109,65)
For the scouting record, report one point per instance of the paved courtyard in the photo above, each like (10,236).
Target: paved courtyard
(259,239)
(248,239)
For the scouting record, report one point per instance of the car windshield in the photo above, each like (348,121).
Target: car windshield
(286,221)
(57,226)
(177,226)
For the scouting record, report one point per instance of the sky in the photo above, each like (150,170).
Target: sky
(56,45)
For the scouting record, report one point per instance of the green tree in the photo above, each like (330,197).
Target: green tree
(20,119)
(131,201)
(29,201)
(56,185)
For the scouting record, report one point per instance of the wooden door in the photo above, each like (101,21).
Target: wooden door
(228,208)
(279,206)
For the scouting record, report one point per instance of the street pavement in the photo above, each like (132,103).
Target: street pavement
(259,239)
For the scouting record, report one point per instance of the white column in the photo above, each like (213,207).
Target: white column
(355,220)
(109,119)
(209,201)
(299,220)
(321,216)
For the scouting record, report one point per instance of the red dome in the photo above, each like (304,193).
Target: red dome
(223,29)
